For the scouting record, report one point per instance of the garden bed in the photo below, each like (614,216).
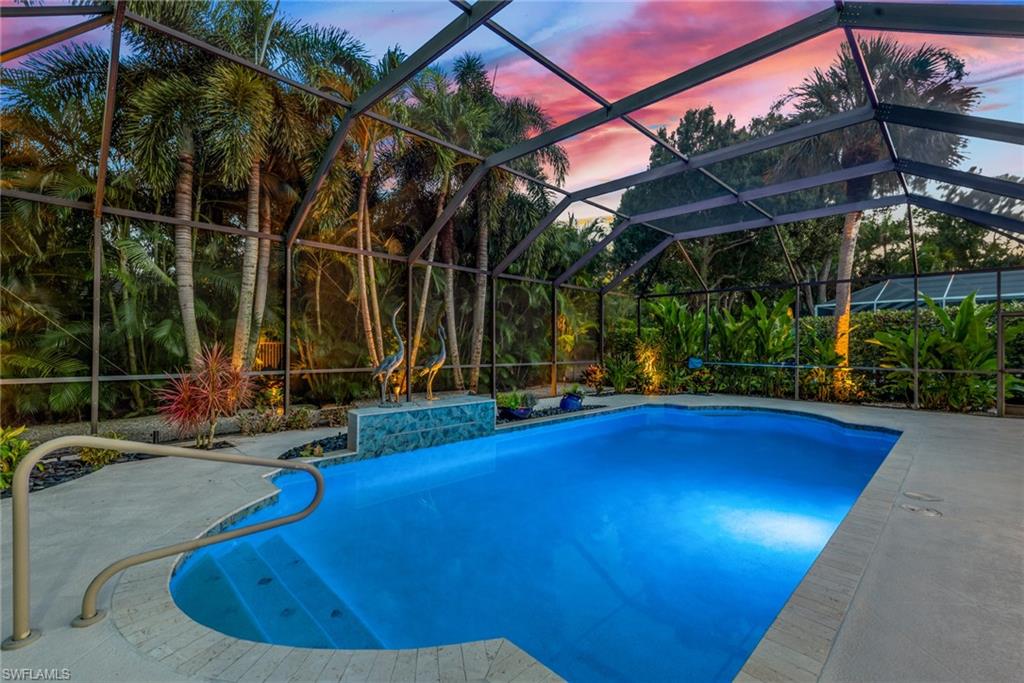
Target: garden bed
(331,443)
(64,466)
(547,412)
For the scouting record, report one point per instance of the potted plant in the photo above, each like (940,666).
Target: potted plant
(572,399)
(516,405)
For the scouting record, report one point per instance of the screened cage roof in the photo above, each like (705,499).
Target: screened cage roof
(945,290)
(615,91)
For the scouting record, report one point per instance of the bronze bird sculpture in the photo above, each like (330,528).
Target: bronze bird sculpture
(387,366)
(434,365)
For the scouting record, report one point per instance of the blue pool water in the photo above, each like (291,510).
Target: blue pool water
(654,544)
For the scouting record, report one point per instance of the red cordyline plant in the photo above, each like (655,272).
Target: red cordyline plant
(194,401)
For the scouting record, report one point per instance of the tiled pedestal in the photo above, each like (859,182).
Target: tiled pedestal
(405,426)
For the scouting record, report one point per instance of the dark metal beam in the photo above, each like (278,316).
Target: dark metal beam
(55,11)
(332,98)
(823,212)
(451,34)
(842,175)
(872,95)
(525,243)
(592,252)
(638,264)
(441,42)
(778,139)
(53,38)
(137,215)
(109,104)
(766,46)
(962,19)
(948,122)
(224,54)
(975,181)
(449,211)
(864,170)
(982,218)
(564,75)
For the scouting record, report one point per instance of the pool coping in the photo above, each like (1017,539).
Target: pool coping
(794,648)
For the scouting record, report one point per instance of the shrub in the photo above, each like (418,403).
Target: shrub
(594,377)
(674,380)
(700,381)
(335,416)
(575,390)
(312,450)
(648,365)
(13,449)
(622,371)
(299,418)
(99,457)
(516,399)
(268,394)
(962,342)
(261,422)
(195,400)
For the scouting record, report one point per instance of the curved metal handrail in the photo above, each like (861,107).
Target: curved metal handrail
(22,633)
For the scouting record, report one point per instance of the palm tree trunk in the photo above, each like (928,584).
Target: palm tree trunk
(479,297)
(421,314)
(317,279)
(826,269)
(259,306)
(847,250)
(371,276)
(183,256)
(364,307)
(448,254)
(133,357)
(250,259)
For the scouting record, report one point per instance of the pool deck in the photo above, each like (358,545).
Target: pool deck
(897,595)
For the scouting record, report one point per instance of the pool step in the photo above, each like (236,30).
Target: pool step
(279,614)
(345,628)
(210,597)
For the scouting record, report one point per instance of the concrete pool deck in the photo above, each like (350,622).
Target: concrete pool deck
(896,595)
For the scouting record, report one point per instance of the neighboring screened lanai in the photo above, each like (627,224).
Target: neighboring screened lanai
(506,175)
(945,290)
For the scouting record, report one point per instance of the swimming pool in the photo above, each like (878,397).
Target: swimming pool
(651,544)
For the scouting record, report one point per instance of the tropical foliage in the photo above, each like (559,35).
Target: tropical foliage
(13,449)
(195,400)
(201,139)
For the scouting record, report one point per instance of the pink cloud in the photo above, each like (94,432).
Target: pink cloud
(19,30)
(660,39)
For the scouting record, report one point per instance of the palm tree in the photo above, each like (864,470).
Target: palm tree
(161,126)
(510,121)
(238,113)
(367,136)
(447,113)
(929,77)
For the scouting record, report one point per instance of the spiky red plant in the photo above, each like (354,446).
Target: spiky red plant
(214,389)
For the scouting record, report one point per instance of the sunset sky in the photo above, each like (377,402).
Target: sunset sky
(618,47)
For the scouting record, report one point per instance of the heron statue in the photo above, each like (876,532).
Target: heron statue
(387,366)
(434,364)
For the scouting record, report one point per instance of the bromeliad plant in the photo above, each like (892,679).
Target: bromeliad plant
(194,401)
